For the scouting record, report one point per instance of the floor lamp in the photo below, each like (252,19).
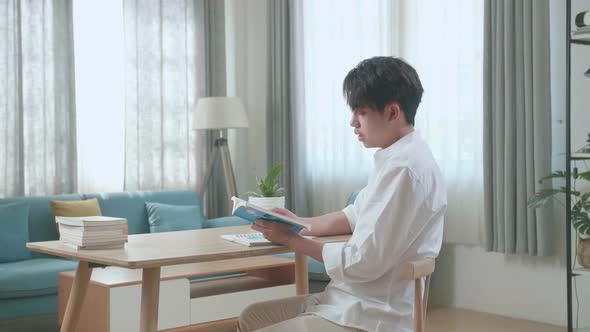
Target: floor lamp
(218,113)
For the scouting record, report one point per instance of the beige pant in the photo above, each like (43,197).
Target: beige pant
(284,315)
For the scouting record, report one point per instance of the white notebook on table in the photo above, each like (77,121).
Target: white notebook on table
(247,239)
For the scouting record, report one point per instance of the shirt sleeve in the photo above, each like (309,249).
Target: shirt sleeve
(386,225)
(350,213)
(351,210)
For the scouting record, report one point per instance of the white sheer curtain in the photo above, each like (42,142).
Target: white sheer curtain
(164,76)
(100,99)
(37,111)
(330,37)
(443,41)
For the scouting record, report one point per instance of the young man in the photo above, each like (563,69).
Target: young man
(396,218)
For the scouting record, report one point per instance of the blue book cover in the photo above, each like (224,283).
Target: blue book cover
(251,212)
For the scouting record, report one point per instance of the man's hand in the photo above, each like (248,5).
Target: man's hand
(285,212)
(275,232)
(292,215)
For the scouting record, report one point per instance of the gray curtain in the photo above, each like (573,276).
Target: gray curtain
(216,203)
(37,105)
(168,67)
(279,119)
(517,125)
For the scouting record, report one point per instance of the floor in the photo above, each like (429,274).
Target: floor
(439,320)
(444,319)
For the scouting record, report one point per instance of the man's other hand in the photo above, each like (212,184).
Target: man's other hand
(275,232)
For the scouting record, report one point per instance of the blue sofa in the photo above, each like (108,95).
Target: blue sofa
(29,287)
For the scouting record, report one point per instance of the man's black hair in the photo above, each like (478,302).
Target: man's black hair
(381,80)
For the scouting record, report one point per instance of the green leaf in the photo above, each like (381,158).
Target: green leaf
(541,197)
(270,180)
(584,201)
(556,174)
(584,175)
(580,220)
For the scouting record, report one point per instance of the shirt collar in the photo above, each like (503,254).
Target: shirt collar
(396,147)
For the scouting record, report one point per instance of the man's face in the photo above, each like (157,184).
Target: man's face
(372,128)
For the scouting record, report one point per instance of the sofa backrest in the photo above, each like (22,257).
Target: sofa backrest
(131,205)
(352,197)
(41,221)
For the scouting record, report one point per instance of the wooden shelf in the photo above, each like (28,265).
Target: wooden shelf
(580,156)
(582,38)
(581,41)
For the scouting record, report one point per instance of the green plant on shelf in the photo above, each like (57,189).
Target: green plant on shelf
(580,211)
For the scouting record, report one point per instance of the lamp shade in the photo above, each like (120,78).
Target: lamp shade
(219,113)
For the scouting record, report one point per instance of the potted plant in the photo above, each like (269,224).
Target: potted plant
(269,194)
(580,211)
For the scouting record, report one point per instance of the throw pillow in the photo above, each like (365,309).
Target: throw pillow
(85,208)
(168,218)
(14,221)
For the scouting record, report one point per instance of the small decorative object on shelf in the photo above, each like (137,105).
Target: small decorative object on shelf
(270,194)
(583,19)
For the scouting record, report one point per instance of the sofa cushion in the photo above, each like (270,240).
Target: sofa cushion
(85,208)
(25,307)
(41,220)
(14,221)
(352,197)
(32,277)
(131,205)
(225,222)
(167,217)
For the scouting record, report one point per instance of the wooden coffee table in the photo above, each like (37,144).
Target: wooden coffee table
(213,300)
(150,252)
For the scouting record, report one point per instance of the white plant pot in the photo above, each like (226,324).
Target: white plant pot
(268,202)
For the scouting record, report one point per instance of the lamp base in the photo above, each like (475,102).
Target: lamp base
(220,150)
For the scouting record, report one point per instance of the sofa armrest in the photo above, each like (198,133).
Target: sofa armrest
(225,221)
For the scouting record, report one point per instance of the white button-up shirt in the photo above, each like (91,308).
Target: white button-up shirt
(396,218)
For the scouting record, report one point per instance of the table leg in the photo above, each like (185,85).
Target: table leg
(301,278)
(76,298)
(150,294)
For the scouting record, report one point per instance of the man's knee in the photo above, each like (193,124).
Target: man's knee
(259,315)
(249,318)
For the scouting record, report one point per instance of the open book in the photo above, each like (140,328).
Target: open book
(251,212)
(247,239)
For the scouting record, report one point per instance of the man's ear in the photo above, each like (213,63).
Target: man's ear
(394,112)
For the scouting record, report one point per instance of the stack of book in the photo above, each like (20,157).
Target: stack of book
(95,232)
